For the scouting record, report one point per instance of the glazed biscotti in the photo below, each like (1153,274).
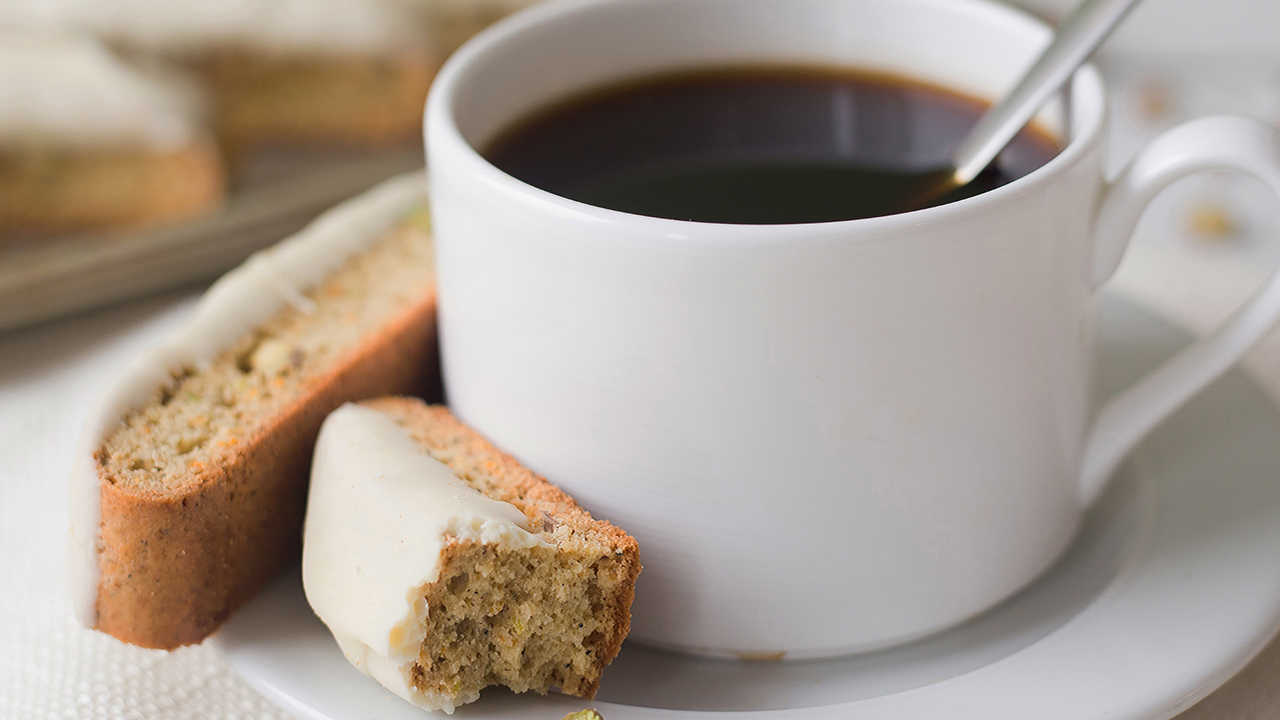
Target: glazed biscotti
(190,490)
(310,99)
(451,23)
(89,142)
(319,73)
(441,565)
(295,73)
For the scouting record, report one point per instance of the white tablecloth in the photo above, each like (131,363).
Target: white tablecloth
(50,667)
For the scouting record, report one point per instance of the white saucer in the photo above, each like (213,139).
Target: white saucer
(1171,587)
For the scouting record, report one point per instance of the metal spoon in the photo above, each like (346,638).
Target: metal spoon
(1076,39)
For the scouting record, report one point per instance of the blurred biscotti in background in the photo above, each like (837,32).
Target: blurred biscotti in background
(123,113)
(274,72)
(88,141)
(450,23)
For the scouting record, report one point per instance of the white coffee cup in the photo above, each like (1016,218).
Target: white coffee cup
(827,437)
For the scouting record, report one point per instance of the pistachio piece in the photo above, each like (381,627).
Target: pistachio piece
(271,356)
(420,218)
(188,443)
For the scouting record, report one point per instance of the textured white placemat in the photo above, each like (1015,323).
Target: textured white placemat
(50,667)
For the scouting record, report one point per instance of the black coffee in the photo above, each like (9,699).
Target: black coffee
(756,145)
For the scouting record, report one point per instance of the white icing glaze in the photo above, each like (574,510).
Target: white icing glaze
(378,515)
(70,90)
(241,300)
(283,25)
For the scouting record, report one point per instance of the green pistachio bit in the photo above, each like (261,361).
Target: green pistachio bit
(420,217)
(587,714)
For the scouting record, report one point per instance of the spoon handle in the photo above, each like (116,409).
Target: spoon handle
(1083,31)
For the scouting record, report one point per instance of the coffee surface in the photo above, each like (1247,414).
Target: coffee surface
(756,145)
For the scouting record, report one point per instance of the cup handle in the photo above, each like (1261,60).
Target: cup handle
(1213,143)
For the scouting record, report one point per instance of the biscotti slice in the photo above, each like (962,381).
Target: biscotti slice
(190,490)
(347,73)
(350,73)
(442,566)
(316,98)
(47,190)
(452,22)
(89,142)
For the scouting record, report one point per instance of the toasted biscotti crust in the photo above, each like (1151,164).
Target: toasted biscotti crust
(188,491)
(175,565)
(545,506)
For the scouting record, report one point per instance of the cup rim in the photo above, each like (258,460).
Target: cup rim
(439,118)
